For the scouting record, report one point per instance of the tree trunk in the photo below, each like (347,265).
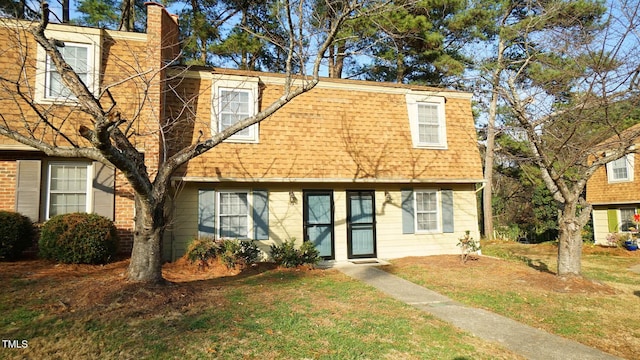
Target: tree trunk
(146,255)
(487,194)
(570,238)
(489,154)
(569,248)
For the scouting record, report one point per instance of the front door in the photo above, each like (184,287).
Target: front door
(318,221)
(361,224)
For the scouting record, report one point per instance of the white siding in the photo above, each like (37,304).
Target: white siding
(285,220)
(600,225)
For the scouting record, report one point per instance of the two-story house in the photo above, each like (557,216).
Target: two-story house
(361,169)
(614,192)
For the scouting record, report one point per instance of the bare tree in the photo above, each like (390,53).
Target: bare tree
(109,135)
(570,89)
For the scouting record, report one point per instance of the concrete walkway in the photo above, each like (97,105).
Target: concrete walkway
(525,340)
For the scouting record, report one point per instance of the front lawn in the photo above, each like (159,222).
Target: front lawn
(601,310)
(67,311)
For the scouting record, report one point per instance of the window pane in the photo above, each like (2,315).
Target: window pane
(426,201)
(77,57)
(234,107)
(427,221)
(67,188)
(619,168)
(234,214)
(426,210)
(428,124)
(626,219)
(67,203)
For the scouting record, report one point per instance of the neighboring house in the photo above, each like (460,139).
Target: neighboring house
(361,169)
(40,186)
(614,192)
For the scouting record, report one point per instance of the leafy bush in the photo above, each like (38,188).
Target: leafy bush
(78,238)
(287,255)
(231,252)
(16,234)
(238,252)
(200,250)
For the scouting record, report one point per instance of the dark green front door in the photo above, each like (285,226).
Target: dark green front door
(318,221)
(361,224)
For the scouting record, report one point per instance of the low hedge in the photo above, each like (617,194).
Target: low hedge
(16,235)
(78,238)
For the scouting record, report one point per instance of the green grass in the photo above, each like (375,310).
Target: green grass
(525,289)
(271,315)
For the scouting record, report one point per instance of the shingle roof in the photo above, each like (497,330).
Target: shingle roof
(342,130)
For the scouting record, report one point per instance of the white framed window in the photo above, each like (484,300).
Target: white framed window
(81,51)
(77,56)
(233,214)
(234,99)
(427,210)
(626,219)
(68,188)
(621,170)
(427,121)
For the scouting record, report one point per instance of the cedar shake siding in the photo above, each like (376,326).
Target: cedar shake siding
(614,192)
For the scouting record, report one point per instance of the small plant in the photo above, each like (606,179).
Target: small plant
(288,256)
(468,246)
(16,234)
(613,240)
(229,251)
(78,238)
(201,251)
(238,252)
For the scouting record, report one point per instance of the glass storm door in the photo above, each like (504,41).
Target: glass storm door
(361,224)
(318,221)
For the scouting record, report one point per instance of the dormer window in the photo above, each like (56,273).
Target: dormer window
(621,170)
(82,52)
(427,121)
(234,100)
(78,57)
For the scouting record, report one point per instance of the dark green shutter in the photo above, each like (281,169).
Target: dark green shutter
(447,211)
(408,222)
(28,188)
(261,214)
(612,220)
(104,190)
(206,213)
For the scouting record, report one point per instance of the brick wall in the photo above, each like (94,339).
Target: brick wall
(8,184)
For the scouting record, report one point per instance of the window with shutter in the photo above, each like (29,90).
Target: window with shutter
(68,188)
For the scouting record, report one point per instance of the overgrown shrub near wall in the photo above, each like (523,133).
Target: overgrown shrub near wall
(233,253)
(287,255)
(78,238)
(16,235)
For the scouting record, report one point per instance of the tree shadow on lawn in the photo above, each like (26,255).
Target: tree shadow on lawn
(536,264)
